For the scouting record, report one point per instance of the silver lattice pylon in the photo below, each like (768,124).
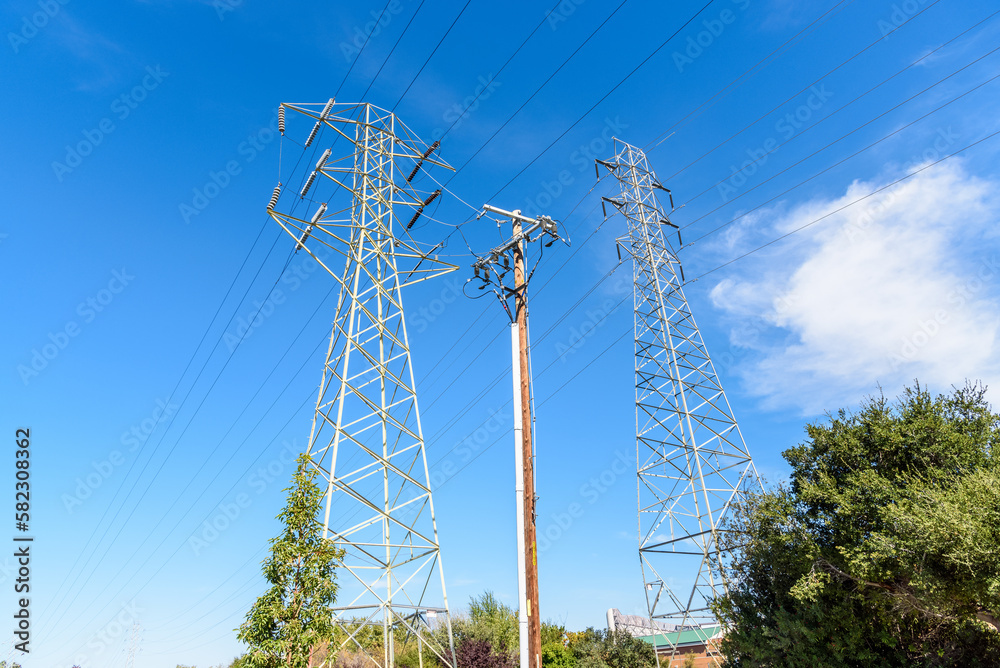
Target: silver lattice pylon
(692,461)
(366,439)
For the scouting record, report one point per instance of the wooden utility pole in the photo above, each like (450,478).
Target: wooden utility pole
(492,269)
(527,456)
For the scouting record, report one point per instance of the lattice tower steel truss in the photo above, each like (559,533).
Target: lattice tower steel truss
(133,645)
(693,463)
(366,439)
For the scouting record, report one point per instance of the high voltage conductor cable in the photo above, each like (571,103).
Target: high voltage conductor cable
(297,373)
(493,319)
(793,96)
(146,465)
(217,588)
(183,401)
(392,50)
(544,401)
(240,589)
(538,90)
(836,164)
(503,67)
(846,206)
(173,417)
(168,636)
(841,108)
(438,46)
(749,73)
(258,457)
(251,466)
(165,459)
(239,271)
(439,369)
(183,543)
(362,50)
(606,96)
(455,174)
(169,425)
(218,445)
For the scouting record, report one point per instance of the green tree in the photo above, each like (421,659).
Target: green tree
(292,617)
(557,655)
(596,648)
(553,633)
(884,549)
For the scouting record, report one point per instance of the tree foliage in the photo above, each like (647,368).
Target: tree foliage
(293,617)
(597,648)
(884,549)
(557,655)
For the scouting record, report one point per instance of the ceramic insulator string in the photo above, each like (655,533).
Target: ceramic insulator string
(274,198)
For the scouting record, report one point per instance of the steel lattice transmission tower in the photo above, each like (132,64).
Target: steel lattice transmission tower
(692,461)
(366,439)
(133,645)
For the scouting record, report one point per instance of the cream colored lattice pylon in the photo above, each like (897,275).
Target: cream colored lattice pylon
(366,439)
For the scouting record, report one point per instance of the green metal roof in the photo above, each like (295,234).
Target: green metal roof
(690,637)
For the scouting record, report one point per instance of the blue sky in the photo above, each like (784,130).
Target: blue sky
(834,163)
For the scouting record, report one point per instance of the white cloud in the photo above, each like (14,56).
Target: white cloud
(902,285)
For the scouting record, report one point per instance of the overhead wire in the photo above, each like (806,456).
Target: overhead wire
(805,130)
(826,169)
(856,55)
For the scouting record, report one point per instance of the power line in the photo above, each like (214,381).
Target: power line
(844,106)
(793,96)
(827,169)
(846,206)
(746,76)
(436,47)
(357,56)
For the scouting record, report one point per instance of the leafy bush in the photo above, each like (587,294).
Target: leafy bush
(478,653)
(594,648)
(557,655)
